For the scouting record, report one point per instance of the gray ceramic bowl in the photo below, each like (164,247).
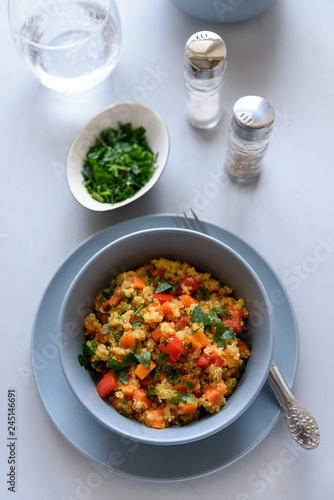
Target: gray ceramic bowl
(129,252)
(224,11)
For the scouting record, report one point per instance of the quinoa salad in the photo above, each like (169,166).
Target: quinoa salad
(163,346)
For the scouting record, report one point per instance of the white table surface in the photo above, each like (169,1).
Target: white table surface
(284,55)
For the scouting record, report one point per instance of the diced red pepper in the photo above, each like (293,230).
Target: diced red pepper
(235,322)
(181,323)
(207,359)
(179,386)
(173,346)
(190,282)
(106,384)
(163,297)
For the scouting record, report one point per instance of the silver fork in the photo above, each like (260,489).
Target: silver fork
(301,425)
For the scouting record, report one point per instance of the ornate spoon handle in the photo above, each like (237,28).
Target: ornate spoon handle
(301,425)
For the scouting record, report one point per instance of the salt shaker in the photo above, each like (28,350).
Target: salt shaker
(249,134)
(204,67)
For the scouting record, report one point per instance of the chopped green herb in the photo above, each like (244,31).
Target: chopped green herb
(168,369)
(117,337)
(164,285)
(180,396)
(197,315)
(119,164)
(95,376)
(163,356)
(242,367)
(89,351)
(136,324)
(83,361)
(222,337)
(107,294)
(188,384)
(125,404)
(144,359)
(115,365)
(221,310)
(122,375)
(138,310)
(151,391)
(125,414)
(203,293)
(130,299)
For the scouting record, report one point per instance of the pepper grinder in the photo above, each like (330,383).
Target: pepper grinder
(204,67)
(249,134)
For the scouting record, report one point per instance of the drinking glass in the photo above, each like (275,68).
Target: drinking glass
(69,45)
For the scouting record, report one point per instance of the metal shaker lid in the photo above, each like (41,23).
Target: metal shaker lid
(253,118)
(205,55)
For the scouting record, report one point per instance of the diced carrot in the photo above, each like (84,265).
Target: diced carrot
(137,282)
(198,340)
(140,395)
(156,334)
(106,384)
(127,340)
(187,408)
(122,405)
(163,297)
(142,372)
(128,390)
(214,393)
(170,309)
(101,303)
(157,272)
(102,336)
(155,418)
(115,299)
(187,300)
(154,306)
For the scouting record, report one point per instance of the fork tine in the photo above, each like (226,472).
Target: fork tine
(187,223)
(179,222)
(200,223)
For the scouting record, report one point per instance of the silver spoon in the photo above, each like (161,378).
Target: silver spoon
(301,425)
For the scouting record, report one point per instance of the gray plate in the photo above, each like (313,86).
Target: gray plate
(159,463)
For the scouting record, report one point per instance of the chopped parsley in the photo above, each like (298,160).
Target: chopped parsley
(181,396)
(136,324)
(164,285)
(197,315)
(119,164)
(89,351)
(203,293)
(144,359)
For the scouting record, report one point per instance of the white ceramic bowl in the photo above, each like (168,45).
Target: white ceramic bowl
(126,112)
(129,252)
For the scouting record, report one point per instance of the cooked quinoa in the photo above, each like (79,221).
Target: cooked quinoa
(162,344)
